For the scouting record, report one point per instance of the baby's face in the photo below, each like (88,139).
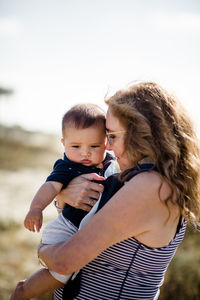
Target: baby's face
(86,146)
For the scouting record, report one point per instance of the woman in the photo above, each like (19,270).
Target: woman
(125,248)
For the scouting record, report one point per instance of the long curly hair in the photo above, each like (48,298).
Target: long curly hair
(158,126)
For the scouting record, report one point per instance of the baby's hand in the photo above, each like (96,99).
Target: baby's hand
(18,293)
(33,219)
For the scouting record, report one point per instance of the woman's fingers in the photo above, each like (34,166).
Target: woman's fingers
(92,176)
(81,190)
(93,195)
(94,187)
(84,207)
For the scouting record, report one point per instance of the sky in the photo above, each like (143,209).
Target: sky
(57,53)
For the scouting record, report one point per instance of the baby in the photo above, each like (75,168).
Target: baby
(84,141)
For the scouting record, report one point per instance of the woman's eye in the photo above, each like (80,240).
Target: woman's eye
(112,136)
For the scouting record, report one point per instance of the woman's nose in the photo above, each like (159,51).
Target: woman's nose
(108,146)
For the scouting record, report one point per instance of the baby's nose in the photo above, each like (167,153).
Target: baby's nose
(85,151)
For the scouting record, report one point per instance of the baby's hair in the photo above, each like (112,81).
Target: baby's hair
(82,116)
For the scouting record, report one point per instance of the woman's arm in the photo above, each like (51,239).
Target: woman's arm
(135,210)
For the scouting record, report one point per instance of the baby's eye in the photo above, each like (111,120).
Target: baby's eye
(95,146)
(75,146)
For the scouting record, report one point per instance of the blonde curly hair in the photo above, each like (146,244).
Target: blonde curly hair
(158,126)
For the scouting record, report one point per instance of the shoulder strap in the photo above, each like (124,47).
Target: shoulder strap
(140,168)
(112,184)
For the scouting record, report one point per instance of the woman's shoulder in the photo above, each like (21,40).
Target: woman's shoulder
(150,178)
(150,185)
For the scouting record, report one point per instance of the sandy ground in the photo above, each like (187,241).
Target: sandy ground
(16,192)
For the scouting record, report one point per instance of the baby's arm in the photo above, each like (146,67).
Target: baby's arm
(38,283)
(43,197)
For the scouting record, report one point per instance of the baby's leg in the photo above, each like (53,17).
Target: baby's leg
(38,283)
(59,230)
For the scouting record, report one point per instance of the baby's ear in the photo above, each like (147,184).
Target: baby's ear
(62,141)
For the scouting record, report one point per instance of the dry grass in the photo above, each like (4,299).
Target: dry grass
(18,258)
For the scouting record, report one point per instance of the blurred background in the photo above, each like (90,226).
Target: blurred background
(57,53)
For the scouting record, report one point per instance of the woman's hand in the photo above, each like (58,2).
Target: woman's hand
(81,192)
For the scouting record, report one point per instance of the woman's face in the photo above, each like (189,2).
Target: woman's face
(116,134)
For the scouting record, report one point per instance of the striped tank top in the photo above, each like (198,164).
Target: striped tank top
(128,270)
